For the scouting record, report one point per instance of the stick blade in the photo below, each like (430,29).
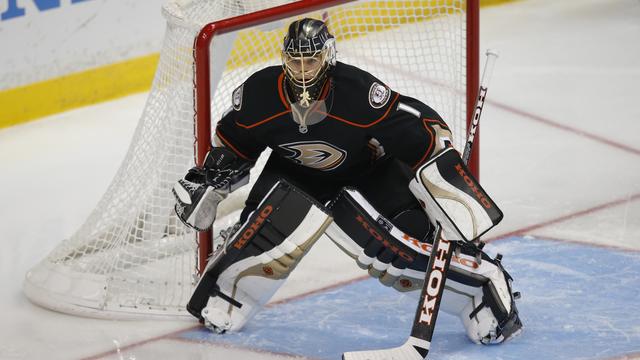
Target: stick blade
(412,349)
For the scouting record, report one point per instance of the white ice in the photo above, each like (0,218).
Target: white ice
(560,154)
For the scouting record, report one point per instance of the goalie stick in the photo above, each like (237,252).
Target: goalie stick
(419,342)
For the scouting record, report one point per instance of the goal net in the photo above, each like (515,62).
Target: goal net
(132,257)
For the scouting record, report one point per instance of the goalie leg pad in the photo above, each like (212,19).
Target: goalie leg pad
(454,198)
(482,297)
(248,270)
(478,289)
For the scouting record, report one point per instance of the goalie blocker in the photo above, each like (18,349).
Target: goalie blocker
(452,197)
(247,270)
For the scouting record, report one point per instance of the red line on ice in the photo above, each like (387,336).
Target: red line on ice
(571,216)
(570,129)
(139,343)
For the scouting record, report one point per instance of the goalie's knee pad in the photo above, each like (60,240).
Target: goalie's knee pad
(244,274)
(478,289)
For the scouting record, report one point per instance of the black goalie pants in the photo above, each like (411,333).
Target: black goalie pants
(385,185)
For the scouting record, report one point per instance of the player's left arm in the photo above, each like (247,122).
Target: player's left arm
(413,132)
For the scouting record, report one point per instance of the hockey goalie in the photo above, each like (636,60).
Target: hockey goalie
(372,169)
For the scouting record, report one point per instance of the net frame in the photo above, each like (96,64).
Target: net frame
(82,275)
(202,70)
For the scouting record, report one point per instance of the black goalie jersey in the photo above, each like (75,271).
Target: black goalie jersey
(358,118)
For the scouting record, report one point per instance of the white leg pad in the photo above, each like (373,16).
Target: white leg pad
(245,274)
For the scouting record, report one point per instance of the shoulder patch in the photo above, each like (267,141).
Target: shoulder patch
(378,95)
(237,98)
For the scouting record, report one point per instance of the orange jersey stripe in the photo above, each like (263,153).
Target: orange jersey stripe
(281,90)
(228,144)
(429,148)
(263,121)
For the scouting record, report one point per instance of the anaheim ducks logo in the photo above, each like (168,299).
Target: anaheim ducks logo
(315,154)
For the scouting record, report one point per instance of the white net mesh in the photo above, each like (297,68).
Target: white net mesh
(132,257)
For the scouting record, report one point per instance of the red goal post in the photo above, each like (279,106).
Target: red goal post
(202,73)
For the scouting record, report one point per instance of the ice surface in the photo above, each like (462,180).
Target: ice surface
(560,155)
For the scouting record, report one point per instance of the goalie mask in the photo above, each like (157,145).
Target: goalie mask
(308,54)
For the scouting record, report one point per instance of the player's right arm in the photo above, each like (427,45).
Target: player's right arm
(226,168)
(200,191)
(235,136)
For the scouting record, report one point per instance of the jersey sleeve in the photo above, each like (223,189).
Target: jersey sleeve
(413,132)
(233,135)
